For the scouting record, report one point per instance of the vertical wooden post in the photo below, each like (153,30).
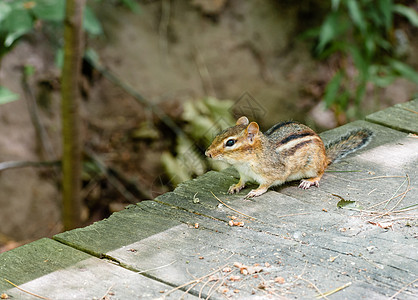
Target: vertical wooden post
(71,138)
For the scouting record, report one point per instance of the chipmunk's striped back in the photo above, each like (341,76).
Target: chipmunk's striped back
(291,136)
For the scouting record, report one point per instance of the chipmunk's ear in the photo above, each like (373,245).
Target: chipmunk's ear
(242,121)
(252,131)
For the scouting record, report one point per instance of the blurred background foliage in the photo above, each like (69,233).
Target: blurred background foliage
(369,35)
(358,48)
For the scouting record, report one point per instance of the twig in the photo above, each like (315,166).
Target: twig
(343,171)
(392,209)
(137,96)
(371,191)
(405,209)
(25,291)
(211,290)
(408,207)
(406,179)
(89,187)
(403,218)
(334,291)
(204,73)
(232,208)
(300,275)
(291,215)
(194,280)
(160,267)
(374,205)
(413,111)
(188,290)
(23,164)
(315,287)
(163,27)
(402,289)
(107,292)
(113,180)
(203,286)
(379,177)
(41,133)
(407,190)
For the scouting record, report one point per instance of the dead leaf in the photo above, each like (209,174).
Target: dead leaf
(254,269)
(279,280)
(235,278)
(386,225)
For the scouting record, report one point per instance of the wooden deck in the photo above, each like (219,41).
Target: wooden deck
(293,243)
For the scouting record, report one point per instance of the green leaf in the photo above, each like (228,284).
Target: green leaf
(4,10)
(342,99)
(59,58)
(29,70)
(91,56)
(381,75)
(404,70)
(360,91)
(332,88)
(90,23)
(356,14)
(346,203)
(11,37)
(7,96)
(17,23)
(370,46)
(49,10)
(329,30)
(132,5)
(360,61)
(386,7)
(335,4)
(408,13)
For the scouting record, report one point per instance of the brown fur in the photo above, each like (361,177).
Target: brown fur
(287,151)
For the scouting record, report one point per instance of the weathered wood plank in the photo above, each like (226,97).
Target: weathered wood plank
(38,258)
(302,244)
(122,228)
(166,246)
(56,271)
(303,230)
(403,117)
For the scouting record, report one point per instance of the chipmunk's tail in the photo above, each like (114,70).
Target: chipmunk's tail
(347,144)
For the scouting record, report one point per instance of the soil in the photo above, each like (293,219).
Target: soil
(172,52)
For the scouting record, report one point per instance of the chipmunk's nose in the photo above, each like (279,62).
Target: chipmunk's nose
(207,153)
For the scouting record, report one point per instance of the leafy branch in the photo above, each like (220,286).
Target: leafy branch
(363,33)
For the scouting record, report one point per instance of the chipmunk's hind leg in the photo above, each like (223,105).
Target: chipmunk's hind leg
(307,183)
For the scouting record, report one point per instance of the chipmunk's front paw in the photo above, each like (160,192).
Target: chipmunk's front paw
(235,188)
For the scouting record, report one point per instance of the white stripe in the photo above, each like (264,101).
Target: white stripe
(293,143)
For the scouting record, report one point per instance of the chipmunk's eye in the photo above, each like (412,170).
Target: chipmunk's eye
(230,143)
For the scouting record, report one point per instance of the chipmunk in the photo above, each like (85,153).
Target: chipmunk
(287,151)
